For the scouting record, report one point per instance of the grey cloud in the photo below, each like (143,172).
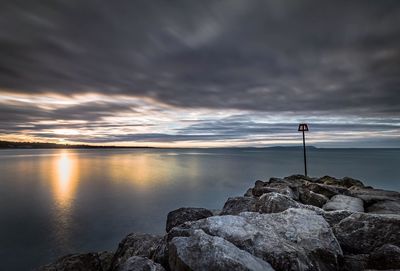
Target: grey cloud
(340,57)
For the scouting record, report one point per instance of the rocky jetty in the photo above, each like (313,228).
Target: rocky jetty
(293,223)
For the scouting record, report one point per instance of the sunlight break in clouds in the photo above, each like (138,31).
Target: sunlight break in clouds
(200,73)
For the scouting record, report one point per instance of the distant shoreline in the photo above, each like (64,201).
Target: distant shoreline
(40,145)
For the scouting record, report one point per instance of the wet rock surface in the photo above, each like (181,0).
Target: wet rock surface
(342,202)
(183,215)
(291,223)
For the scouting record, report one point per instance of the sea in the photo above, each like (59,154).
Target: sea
(59,201)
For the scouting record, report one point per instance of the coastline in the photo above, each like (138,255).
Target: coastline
(296,223)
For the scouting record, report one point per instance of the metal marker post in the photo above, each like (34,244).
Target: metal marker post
(304,128)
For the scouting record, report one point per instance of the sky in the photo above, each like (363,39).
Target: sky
(200,73)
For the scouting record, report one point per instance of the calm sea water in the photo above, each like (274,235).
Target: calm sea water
(54,202)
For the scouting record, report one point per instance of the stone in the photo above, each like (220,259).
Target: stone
(361,233)
(276,202)
(137,263)
(311,198)
(371,196)
(249,193)
(345,182)
(356,262)
(385,257)
(295,239)
(135,244)
(342,202)
(237,205)
(279,187)
(182,215)
(385,207)
(334,217)
(80,262)
(326,190)
(201,251)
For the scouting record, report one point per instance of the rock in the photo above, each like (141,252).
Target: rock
(234,206)
(201,251)
(275,203)
(357,262)
(385,207)
(249,193)
(296,239)
(385,257)
(371,196)
(135,244)
(137,263)
(342,202)
(345,182)
(80,262)
(311,198)
(334,217)
(326,190)
(182,215)
(361,233)
(279,187)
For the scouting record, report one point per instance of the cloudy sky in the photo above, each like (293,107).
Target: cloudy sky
(200,73)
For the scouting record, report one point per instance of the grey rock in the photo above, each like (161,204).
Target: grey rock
(296,239)
(311,198)
(267,187)
(326,190)
(345,182)
(182,215)
(342,202)
(80,262)
(135,244)
(201,251)
(357,262)
(237,205)
(276,202)
(361,233)
(385,257)
(137,263)
(334,217)
(249,193)
(371,196)
(385,207)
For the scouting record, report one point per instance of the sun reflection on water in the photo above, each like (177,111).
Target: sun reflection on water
(64,181)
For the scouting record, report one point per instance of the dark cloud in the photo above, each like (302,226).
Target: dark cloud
(340,57)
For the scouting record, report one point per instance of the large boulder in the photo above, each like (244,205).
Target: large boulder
(371,196)
(334,217)
(80,262)
(296,239)
(201,251)
(361,233)
(137,263)
(323,189)
(275,203)
(135,244)
(237,205)
(182,215)
(261,188)
(342,202)
(355,262)
(385,207)
(311,198)
(385,257)
(345,182)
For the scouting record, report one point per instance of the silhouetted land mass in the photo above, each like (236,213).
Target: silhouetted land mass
(40,145)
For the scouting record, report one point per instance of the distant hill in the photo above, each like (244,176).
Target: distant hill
(40,145)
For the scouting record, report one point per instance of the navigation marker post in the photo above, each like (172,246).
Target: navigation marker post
(303,127)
